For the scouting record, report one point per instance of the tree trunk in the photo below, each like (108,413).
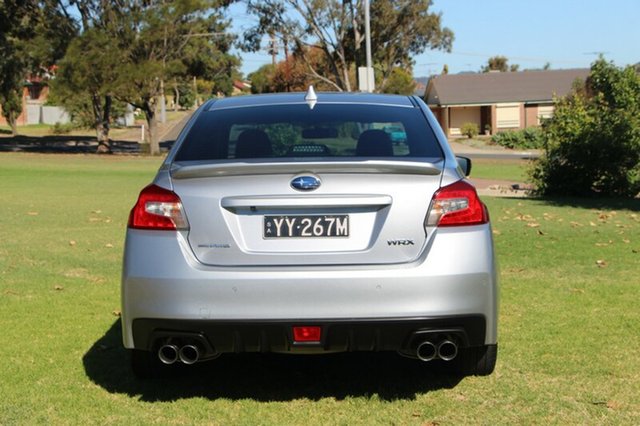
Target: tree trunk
(13,123)
(176,100)
(152,127)
(102,130)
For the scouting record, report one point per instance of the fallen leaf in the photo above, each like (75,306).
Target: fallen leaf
(613,405)
(33,213)
(626,241)
(496,232)
(575,224)
(601,263)
(592,224)
(540,232)
(97,211)
(533,225)
(109,245)
(116,313)
(58,287)
(72,243)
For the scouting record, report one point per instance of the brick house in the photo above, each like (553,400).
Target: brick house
(34,94)
(497,100)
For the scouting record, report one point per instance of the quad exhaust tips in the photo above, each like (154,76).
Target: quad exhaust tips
(445,350)
(187,354)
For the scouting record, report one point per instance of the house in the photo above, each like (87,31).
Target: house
(34,94)
(497,101)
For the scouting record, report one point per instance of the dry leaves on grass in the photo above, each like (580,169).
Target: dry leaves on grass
(601,263)
(608,243)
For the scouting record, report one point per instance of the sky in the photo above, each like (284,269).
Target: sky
(564,33)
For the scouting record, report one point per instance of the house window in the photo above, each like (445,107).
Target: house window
(34,91)
(508,116)
(544,111)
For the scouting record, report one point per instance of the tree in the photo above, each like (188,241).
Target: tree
(34,35)
(85,82)
(155,38)
(89,70)
(262,79)
(400,83)
(499,63)
(593,138)
(400,29)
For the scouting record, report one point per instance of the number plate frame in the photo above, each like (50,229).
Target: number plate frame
(306,226)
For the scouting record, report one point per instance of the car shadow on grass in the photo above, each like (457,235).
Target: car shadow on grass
(268,377)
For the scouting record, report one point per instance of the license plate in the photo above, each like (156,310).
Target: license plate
(306,226)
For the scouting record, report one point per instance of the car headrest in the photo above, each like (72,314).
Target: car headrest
(374,143)
(253,143)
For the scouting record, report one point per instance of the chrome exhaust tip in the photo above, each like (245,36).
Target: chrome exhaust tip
(447,350)
(168,354)
(189,354)
(426,351)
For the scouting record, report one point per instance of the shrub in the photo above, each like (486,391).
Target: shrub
(62,129)
(529,138)
(470,130)
(593,138)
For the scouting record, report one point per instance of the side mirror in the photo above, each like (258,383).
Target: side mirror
(465,164)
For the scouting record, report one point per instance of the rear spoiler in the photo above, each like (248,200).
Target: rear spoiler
(248,167)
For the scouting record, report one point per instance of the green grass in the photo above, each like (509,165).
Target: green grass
(512,170)
(569,329)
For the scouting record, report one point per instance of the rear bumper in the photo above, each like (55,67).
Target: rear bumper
(165,288)
(395,334)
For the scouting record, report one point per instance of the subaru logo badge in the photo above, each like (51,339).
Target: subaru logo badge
(305,183)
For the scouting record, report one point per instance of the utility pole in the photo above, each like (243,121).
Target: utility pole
(365,74)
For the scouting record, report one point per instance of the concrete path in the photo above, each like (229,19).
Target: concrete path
(495,152)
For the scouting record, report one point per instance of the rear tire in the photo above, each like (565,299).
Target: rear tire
(476,360)
(144,364)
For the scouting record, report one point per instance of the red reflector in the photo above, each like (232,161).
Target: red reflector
(307,334)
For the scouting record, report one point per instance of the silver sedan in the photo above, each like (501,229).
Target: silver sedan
(294,223)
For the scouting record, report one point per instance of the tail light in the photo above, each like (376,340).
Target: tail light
(157,208)
(457,204)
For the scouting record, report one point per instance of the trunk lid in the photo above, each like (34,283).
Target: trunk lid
(363,213)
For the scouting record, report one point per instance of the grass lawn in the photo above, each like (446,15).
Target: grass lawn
(513,170)
(569,330)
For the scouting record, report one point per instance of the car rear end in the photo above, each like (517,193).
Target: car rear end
(278,225)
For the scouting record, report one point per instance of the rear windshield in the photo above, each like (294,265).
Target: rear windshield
(328,130)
